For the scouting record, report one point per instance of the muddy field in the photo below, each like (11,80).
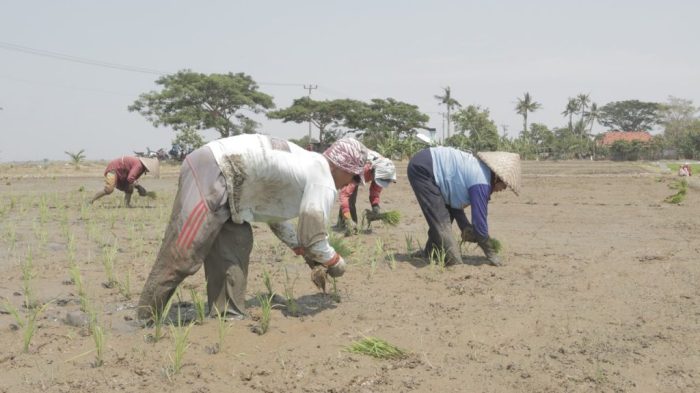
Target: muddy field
(600,291)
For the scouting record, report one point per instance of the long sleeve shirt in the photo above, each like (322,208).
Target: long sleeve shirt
(374,191)
(273,181)
(463,181)
(127,169)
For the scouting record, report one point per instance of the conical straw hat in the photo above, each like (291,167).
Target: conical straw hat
(505,165)
(152,166)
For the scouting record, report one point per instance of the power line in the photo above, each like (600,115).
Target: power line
(75,59)
(98,63)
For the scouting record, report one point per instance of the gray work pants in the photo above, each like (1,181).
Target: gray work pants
(200,231)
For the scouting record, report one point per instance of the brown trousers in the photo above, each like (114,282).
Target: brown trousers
(200,231)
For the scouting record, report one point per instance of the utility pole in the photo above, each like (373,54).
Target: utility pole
(309,88)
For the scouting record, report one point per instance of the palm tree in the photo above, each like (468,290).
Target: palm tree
(525,105)
(583,101)
(449,103)
(571,108)
(591,116)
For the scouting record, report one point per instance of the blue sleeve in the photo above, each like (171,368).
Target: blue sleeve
(479,196)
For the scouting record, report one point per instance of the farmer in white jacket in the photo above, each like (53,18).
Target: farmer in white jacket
(231,182)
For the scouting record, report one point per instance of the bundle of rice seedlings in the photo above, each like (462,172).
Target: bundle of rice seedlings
(339,245)
(496,245)
(152,195)
(391,217)
(376,347)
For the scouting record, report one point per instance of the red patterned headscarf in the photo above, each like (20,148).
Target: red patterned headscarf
(347,154)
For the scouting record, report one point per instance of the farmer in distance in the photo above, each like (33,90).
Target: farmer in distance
(381,172)
(123,173)
(228,184)
(445,181)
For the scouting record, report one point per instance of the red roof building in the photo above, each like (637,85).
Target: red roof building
(611,137)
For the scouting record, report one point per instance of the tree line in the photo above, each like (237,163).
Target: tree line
(191,102)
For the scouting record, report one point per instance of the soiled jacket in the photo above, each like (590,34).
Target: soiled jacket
(271,180)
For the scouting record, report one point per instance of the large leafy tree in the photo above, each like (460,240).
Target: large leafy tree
(194,101)
(386,118)
(630,115)
(526,105)
(678,116)
(481,130)
(328,115)
(450,103)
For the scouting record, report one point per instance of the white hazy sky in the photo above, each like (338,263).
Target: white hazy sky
(488,52)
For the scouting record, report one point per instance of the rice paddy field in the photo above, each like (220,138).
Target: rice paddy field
(599,291)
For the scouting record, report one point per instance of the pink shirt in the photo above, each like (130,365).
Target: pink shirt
(127,169)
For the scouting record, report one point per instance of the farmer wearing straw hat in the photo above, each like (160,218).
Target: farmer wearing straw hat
(445,181)
(123,173)
(381,172)
(230,183)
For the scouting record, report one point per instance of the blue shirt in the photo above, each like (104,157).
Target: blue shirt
(463,181)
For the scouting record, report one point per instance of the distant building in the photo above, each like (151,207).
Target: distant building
(611,137)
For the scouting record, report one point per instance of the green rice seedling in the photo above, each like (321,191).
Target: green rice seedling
(372,266)
(109,253)
(339,245)
(268,282)
(199,305)
(220,328)
(29,325)
(27,267)
(437,258)
(12,310)
(179,334)
(159,319)
(408,237)
(266,306)
(377,348)
(11,236)
(77,280)
(43,209)
(292,305)
(98,337)
(392,261)
(124,285)
(335,295)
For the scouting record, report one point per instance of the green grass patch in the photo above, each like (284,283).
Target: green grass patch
(675,167)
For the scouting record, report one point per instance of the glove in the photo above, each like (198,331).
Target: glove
(142,191)
(489,252)
(337,269)
(350,225)
(468,234)
(376,209)
(373,215)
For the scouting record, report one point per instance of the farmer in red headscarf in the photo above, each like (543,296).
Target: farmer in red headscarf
(230,183)
(381,172)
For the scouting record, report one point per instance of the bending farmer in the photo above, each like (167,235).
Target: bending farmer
(123,174)
(381,172)
(228,184)
(445,181)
